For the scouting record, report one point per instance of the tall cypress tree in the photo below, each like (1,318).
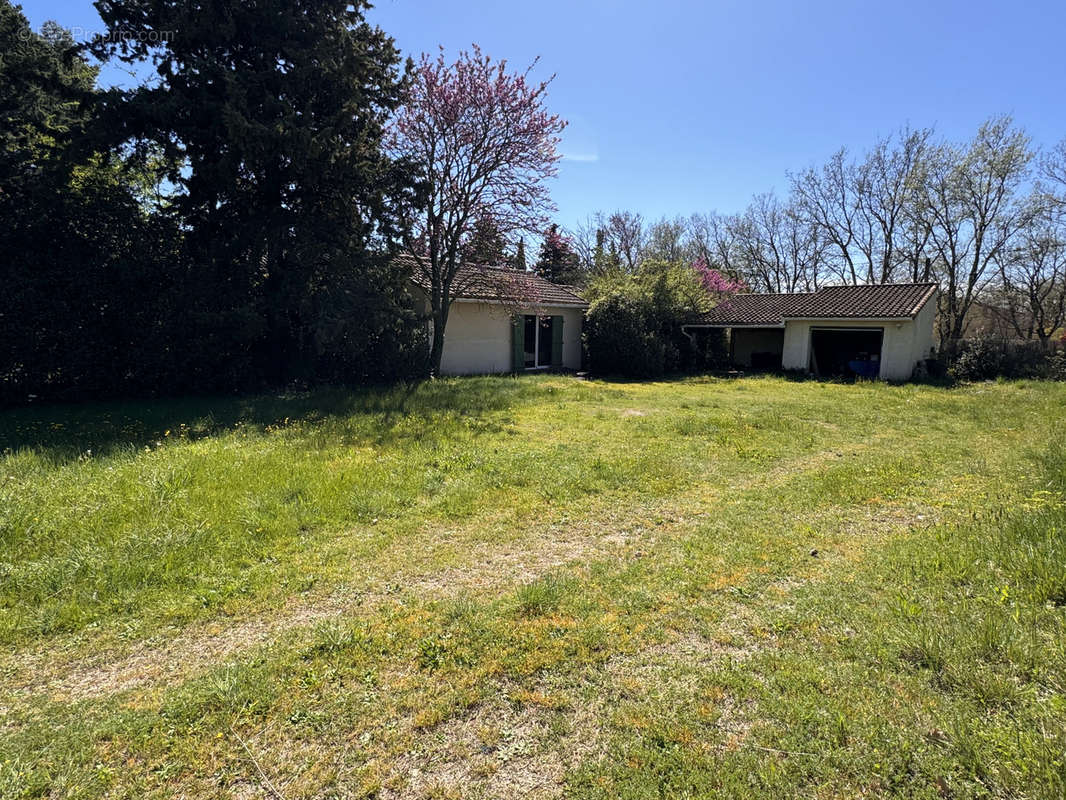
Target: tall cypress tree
(271,114)
(518,261)
(486,244)
(77,252)
(557,261)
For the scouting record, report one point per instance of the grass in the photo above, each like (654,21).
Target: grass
(538,587)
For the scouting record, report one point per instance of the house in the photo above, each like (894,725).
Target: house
(874,331)
(507,320)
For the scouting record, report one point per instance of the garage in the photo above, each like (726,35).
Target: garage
(846,352)
(873,331)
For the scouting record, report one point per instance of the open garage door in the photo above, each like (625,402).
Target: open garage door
(846,352)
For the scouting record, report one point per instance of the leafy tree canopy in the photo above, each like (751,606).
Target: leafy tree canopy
(270,116)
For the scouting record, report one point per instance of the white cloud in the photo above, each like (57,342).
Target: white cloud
(580,143)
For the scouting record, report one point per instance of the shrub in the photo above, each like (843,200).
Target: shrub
(1056,365)
(709,349)
(621,338)
(985,357)
(633,325)
(979,359)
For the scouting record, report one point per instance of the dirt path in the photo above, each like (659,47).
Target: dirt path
(614,532)
(202,645)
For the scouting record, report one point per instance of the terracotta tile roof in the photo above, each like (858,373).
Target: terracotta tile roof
(501,284)
(883,301)
(888,300)
(749,309)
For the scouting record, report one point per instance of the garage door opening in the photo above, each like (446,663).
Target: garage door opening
(846,352)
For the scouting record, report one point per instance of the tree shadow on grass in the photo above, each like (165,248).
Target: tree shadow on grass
(67,431)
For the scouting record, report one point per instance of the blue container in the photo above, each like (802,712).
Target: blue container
(865,369)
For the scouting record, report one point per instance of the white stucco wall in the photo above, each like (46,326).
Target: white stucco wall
(924,342)
(572,320)
(904,344)
(478,337)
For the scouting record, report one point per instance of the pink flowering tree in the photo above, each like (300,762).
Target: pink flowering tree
(719,286)
(487,147)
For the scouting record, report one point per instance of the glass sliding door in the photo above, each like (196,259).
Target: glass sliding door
(537,346)
(530,347)
(544,342)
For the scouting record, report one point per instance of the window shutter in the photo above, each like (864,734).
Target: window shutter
(518,344)
(557,341)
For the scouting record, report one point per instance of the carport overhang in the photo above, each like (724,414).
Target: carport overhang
(735,329)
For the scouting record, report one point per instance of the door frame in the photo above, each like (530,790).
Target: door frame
(536,341)
(812,364)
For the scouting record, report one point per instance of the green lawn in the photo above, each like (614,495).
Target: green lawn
(539,587)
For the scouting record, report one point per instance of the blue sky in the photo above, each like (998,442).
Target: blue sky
(676,107)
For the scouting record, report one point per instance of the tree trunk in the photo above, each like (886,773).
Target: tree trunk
(436,349)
